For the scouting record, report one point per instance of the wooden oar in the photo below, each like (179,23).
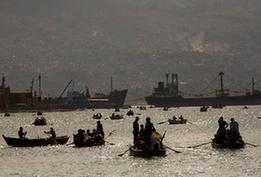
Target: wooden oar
(202,144)
(254,145)
(162,122)
(190,122)
(172,149)
(109,143)
(109,134)
(120,155)
(70,144)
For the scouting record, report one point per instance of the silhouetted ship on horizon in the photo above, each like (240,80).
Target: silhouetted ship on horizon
(170,96)
(29,100)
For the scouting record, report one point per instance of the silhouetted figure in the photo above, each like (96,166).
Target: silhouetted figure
(174,118)
(100,128)
(51,132)
(142,132)
(181,118)
(21,134)
(79,138)
(88,132)
(135,130)
(221,133)
(234,130)
(149,128)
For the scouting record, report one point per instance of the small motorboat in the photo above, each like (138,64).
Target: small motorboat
(25,142)
(40,121)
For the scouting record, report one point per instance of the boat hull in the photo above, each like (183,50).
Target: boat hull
(17,142)
(146,153)
(236,145)
(178,101)
(177,121)
(87,143)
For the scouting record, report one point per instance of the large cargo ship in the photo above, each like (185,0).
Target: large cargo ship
(170,96)
(30,100)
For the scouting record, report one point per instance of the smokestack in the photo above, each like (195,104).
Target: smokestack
(172,78)
(167,79)
(3,82)
(176,81)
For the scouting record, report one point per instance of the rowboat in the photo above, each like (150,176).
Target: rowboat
(236,145)
(25,142)
(134,151)
(156,147)
(88,141)
(179,121)
(40,121)
(97,116)
(130,113)
(116,117)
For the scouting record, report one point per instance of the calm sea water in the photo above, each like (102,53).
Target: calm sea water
(104,161)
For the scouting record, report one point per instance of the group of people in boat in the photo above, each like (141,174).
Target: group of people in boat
(227,133)
(180,118)
(22,134)
(90,138)
(142,134)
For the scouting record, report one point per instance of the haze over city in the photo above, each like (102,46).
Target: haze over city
(134,41)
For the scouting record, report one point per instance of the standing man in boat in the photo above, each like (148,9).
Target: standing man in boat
(135,130)
(21,134)
(221,133)
(149,128)
(52,132)
(100,128)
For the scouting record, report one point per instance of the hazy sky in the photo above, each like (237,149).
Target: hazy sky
(134,41)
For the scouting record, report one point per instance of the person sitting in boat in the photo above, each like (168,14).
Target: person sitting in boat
(135,130)
(51,132)
(21,134)
(221,133)
(233,129)
(174,118)
(100,128)
(149,128)
(79,137)
(88,133)
(181,118)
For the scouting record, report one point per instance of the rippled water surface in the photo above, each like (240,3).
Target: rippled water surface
(104,160)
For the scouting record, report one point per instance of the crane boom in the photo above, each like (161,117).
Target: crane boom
(65,88)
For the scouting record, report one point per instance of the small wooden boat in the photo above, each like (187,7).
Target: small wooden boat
(156,148)
(97,116)
(40,121)
(6,114)
(88,141)
(116,117)
(130,113)
(204,108)
(39,113)
(236,145)
(146,153)
(177,121)
(17,142)
(165,109)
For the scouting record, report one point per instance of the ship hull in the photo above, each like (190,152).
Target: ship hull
(208,101)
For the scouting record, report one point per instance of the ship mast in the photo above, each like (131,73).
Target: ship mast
(111,84)
(253,86)
(221,74)
(40,87)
